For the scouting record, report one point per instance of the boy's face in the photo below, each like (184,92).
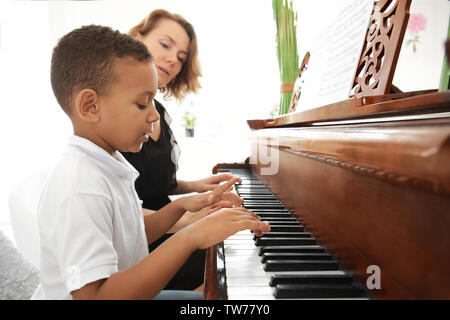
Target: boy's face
(127,113)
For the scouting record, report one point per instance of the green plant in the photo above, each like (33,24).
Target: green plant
(189,120)
(286,40)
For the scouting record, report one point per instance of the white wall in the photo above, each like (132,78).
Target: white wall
(237,51)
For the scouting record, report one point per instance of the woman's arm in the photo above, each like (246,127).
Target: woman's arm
(201,185)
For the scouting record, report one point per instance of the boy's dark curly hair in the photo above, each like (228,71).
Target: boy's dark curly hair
(84,58)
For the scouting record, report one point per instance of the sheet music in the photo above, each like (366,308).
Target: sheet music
(334,57)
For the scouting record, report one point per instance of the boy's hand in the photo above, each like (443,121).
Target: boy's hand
(190,217)
(198,202)
(223,223)
(211,183)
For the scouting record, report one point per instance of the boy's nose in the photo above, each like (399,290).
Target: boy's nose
(153,115)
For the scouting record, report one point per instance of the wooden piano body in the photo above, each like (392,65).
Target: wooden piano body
(370,176)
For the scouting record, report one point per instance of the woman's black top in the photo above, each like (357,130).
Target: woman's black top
(157,164)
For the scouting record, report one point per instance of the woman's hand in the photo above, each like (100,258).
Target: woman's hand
(210,183)
(197,202)
(233,198)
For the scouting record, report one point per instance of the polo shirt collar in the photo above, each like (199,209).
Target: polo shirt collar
(117,163)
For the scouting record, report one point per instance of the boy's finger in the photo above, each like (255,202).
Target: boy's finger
(258,227)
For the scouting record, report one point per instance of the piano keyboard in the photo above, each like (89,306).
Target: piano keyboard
(286,263)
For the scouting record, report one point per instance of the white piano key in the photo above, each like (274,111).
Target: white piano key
(239,242)
(250,292)
(238,246)
(242,252)
(246,281)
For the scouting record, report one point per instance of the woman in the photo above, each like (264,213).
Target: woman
(173,44)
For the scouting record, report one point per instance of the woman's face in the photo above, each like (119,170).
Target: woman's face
(169,44)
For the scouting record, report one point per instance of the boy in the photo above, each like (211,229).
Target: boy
(94,234)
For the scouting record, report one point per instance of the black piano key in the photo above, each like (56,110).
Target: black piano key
(290,227)
(280,220)
(269,241)
(290,249)
(252,182)
(300,265)
(317,291)
(253,192)
(273,214)
(262,201)
(264,206)
(286,223)
(251,186)
(296,234)
(277,279)
(262,210)
(295,256)
(286,228)
(258,197)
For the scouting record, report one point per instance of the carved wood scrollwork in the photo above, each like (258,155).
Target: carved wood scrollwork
(382,47)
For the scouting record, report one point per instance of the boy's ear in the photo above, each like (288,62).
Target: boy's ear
(86,105)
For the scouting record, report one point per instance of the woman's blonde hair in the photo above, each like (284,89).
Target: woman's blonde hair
(187,80)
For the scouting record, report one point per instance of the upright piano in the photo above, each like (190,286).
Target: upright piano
(357,192)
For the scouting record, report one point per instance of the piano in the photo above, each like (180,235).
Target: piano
(357,192)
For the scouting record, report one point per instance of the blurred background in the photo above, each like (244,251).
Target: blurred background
(240,73)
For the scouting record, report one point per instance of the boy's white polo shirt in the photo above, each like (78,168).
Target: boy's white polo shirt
(90,220)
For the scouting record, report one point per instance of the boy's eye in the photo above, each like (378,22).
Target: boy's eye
(141,106)
(163,45)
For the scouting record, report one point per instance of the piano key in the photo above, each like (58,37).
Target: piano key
(238,247)
(251,185)
(286,223)
(264,206)
(291,249)
(257,293)
(310,279)
(239,242)
(287,234)
(317,291)
(247,192)
(262,202)
(281,220)
(271,210)
(300,265)
(295,256)
(286,228)
(272,214)
(253,182)
(268,241)
(258,204)
(258,197)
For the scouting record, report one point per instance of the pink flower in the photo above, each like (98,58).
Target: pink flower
(417,22)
